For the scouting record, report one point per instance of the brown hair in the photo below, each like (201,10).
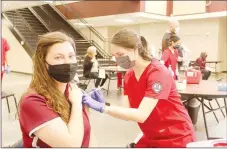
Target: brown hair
(203,54)
(42,83)
(144,42)
(174,38)
(128,39)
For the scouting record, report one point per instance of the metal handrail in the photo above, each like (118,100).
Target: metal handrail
(18,35)
(39,18)
(92,29)
(25,22)
(13,26)
(102,51)
(63,17)
(85,22)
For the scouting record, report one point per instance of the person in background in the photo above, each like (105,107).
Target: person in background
(4,62)
(51,113)
(174,29)
(170,55)
(91,67)
(201,62)
(186,57)
(150,96)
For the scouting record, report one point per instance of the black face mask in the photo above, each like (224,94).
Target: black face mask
(64,72)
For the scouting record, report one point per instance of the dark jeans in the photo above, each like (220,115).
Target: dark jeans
(95,75)
(206,74)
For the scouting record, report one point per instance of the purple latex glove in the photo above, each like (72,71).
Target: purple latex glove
(8,69)
(97,95)
(95,105)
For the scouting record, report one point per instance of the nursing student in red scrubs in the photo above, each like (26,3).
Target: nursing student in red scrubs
(150,96)
(4,62)
(170,55)
(51,112)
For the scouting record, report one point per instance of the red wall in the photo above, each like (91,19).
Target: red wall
(87,9)
(217,6)
(169,8)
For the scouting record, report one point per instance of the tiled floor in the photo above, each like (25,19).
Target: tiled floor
(106,131)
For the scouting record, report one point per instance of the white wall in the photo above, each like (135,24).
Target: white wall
(223,43)
(91,36)
(201,35)
(156,7)
(154,32)
(188,7)
(18,58)
(198,35)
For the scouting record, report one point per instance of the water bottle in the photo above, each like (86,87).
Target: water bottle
(222,87)
(171,71)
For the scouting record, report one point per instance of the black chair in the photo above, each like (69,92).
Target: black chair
(111,76)
(6,95)
(88,80)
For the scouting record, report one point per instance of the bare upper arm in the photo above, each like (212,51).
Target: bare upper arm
(55,134)
(146,107)
(125,102)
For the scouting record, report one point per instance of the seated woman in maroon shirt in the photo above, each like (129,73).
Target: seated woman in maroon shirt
(201,62)
(51,112)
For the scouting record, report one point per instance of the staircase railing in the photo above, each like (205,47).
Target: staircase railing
(26,23)
(39,18)
(101,43)
(18,36)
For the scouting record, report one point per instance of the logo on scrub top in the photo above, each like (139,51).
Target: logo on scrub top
(157,87)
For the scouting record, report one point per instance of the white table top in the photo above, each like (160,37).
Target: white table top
(206,143)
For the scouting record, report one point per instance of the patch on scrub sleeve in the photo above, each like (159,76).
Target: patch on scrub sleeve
(157,87)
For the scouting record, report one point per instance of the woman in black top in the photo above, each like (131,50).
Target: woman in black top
(91,67)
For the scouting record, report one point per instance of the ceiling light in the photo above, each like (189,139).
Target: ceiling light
(48,1)
(22,42)
(125,20)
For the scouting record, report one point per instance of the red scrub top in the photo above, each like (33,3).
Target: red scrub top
(201,62)
(35,114)
(170,58)
(169,124)
(5,48)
